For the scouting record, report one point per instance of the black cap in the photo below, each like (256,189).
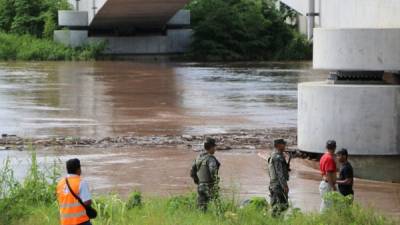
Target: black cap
(279,141)
(342,151)
(210,142)
(331,144)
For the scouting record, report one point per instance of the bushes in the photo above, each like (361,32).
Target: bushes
(134,200)
(26,47)
(26,32)
(34,17)
(19,197)
(243,30)
(33,202)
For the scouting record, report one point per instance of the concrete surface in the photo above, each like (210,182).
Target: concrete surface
(362,118)
(176,41)
(69,18)
(356,49)
(73,38)
(352,13)
(181,18)
(360,13)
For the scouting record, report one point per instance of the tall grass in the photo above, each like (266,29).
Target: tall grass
(27,47)
(32,202)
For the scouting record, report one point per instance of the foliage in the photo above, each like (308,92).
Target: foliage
(35,190)
(259,203)
(50,25)
(134,200)
(34,17)
(26,47)
(7,14)
(32,202)
(243,30)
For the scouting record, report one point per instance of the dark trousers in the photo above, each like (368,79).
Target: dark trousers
(279,201)
(86,223)
(203,196)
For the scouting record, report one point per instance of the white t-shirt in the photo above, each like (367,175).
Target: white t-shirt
(84,192)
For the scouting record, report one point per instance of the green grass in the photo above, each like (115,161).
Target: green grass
(32,202)
(27,47)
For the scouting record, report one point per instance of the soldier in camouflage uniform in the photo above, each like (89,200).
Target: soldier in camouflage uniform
(279,175)
(205,174)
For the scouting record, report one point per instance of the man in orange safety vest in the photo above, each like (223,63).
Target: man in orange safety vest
(72,212)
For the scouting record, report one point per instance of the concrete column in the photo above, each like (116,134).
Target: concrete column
(357,49)
(72,38)
(365,119)
(310,19)
(69,18)
(76,23)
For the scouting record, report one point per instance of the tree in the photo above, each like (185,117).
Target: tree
(35,17)
(241,30)
(27,18)
(7,14)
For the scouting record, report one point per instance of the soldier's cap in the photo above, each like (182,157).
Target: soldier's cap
(342,151)
(210,142)
(279,141)
(331,144)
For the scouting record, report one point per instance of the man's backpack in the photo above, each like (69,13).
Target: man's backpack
(193,173)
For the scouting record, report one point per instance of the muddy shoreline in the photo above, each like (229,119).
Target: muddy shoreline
(241,139)
(158,166)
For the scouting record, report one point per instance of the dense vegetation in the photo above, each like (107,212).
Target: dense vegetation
(244,30)
(26,32)
(28,47)
(34,17)
(33,202)
(223,30)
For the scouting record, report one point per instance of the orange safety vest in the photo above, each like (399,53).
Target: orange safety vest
(71,211)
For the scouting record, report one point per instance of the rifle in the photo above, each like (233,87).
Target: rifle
(292,154)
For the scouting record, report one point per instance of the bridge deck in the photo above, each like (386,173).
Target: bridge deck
(142,14)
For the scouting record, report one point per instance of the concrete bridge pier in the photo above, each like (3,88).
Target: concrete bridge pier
(357,43)
(76,25)
(359,105)
(128,27)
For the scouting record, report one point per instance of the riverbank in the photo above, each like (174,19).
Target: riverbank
(164,172)
(33,202)
(30,48)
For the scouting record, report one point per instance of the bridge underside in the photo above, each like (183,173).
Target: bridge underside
(138,14)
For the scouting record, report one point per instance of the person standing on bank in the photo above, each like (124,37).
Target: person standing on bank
(345,180)
(205,174)
(73,211)
(278,170)
(328,170)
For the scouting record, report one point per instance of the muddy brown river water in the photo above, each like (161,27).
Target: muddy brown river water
(101,99)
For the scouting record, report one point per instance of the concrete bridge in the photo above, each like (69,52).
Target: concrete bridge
(128,26)
(358,43)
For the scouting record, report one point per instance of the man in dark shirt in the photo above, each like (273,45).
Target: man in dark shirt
(345,180)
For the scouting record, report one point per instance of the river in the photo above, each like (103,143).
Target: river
(111,98)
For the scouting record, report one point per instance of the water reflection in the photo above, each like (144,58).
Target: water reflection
(114,98)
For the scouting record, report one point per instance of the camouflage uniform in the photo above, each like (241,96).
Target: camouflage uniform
(279,175)
(205,174)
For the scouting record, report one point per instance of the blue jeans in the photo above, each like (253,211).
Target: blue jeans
(86,223)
